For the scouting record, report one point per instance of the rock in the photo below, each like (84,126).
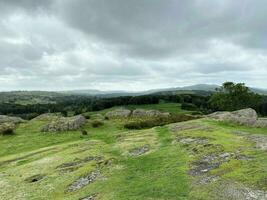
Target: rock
(83,181)
(8,119)
(47,116)
(118,113)
(176,127)
(90,197)
(149,113)
(65,124)
(261,123)
(7,128)
(247,117)
(139,151)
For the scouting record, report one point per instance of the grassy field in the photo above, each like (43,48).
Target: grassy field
(174,108)
(157,163)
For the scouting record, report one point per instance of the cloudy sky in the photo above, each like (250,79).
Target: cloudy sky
(131,44)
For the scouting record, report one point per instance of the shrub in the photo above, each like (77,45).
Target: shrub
(7,129)
(97,123)
(189,106)
(86,115)
(161,121)
(84,132)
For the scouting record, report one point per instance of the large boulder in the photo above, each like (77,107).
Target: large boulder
(65,124)
(148,113)
(8,119)
(118,113)
(261,123)
(246,117)
(47,117)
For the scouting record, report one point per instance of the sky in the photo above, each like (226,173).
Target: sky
(131,45)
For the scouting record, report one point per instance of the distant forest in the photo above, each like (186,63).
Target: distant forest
(229,97)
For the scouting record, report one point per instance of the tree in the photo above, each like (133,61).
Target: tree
(233,96)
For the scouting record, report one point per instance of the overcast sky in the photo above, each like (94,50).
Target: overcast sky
(131,44)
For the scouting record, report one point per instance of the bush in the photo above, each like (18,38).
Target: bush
(189,106)
(161,121)
(97,123)
(86,115)
(84,132)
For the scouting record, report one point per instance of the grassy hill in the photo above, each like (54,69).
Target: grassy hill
(200,159)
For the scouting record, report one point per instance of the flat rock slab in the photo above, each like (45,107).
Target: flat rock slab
(83,181)
(139,151)
(90,197)
(176,127)
(260,140)
(232,191)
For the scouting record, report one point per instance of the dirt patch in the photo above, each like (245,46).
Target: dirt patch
(84,181)
(90,197)
(35,178)
(139,151)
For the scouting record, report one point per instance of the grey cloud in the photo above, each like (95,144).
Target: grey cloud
(131,44)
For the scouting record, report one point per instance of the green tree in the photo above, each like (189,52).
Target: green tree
(231,96)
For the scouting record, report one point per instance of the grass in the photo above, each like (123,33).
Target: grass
(160,173)
(174,108)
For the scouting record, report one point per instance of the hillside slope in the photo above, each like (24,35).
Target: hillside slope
(201,159)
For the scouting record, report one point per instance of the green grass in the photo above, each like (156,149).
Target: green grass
(160,173)
(174,108)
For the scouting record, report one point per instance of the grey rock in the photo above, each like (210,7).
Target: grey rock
(47,116)
(139,151)
(118,113)
(65,124)
(8,119)
(83,181)
(247,117)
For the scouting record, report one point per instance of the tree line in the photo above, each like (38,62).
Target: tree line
(228,97)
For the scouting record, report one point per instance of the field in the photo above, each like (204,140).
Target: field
(197,160)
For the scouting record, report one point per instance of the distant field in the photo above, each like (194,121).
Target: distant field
(163,107)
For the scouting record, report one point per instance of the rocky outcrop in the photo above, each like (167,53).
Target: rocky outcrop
(8,119)
(246,117)
(65,124)
(47,117)
(118,113)
(148,113)
(138,113)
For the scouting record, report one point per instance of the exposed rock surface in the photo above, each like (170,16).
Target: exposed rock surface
(83,181)
(260,140)
(48,116)
(90,197)
(138,113)
(246,117)
(233,191)
(65,124)
(118,113)
(8,119)
(139,151)
(149,113)
(187,126)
